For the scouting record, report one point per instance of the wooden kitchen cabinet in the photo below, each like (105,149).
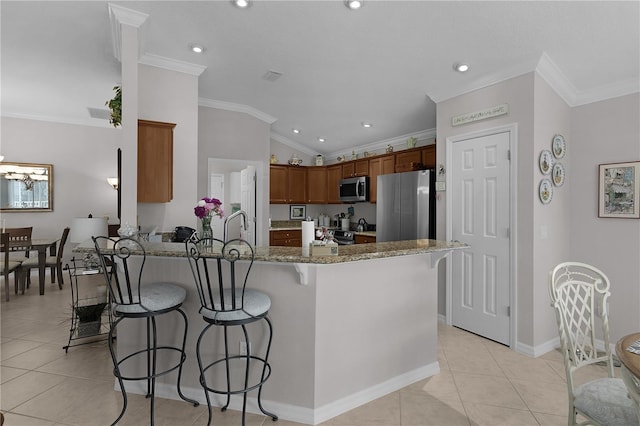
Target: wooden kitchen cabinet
(334,174)
(317,185)
(363,239)
(287,184)
(429,156)
(408,160)
(355,168)
(383,165)
(155,161)
(288,238)
(278,184)
(297,184)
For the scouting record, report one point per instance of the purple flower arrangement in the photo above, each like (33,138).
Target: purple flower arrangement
(208,207)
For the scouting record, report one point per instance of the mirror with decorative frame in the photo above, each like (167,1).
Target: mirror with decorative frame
(26,187)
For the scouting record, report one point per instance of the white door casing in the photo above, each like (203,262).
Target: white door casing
(216,190)
(480,205)
(248,201)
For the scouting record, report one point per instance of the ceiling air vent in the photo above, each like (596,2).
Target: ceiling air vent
(99,113)
(271,76)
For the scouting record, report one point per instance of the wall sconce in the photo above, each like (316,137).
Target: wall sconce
(113,181)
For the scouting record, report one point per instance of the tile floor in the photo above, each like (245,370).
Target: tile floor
(41,385)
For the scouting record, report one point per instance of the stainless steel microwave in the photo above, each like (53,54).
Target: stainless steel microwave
(354,190)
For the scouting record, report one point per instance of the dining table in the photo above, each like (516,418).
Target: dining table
(40,245)
(629,359)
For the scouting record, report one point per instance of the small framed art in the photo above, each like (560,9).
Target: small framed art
(618,187)
(297,212)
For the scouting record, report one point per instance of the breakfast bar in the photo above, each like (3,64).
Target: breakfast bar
(348,328)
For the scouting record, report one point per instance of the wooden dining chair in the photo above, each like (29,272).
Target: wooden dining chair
(17,236)
(53,261)
(8,266)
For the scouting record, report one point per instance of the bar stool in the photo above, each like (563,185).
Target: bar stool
(122,262)
(225,301)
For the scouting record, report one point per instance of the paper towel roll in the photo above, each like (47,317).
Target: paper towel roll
(308,232)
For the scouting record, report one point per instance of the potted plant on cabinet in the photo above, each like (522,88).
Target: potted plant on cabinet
(115,107)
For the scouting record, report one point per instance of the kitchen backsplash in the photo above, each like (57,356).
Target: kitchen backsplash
(280,212)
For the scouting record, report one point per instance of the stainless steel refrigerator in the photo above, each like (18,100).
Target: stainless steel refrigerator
(405,208)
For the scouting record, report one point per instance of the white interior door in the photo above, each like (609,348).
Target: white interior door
(248,201)
(480,217)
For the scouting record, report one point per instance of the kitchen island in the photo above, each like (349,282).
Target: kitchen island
(348,328)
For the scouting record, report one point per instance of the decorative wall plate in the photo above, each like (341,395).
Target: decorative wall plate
(559,146)
(557,174)
(546,161)
(546,191)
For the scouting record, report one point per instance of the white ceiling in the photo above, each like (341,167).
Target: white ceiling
(386,63)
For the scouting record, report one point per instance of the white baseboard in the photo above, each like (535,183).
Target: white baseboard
(289,412)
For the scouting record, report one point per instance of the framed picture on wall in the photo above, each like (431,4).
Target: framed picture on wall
(618,187)
(297,212)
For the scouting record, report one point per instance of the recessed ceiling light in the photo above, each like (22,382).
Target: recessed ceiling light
(321,139)
(296,131)
(197,48)
(242,4)
(461,67)
(366,125)
(354,4)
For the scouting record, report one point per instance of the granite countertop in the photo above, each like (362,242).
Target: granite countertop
(347,253)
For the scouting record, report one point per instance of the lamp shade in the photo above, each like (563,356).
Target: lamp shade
(83,228)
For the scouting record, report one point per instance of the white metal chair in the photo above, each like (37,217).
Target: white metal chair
(633,387)
(579,294)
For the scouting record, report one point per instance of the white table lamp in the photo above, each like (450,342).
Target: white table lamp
(83,228)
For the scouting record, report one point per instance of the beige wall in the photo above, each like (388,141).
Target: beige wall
(235,136)
(606,132)
(83,157)
(172,97)
(568,227)
(518,93)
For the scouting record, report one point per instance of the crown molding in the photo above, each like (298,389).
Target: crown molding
(445,94)
(92,122)
(291,144)
(395,141)
(172,64)
(549,71)
(608,91)
(229,106)
(119,16)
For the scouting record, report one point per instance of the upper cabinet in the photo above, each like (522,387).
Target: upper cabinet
(355,168)
(429,155)
(155,161)
(334,174)
(317,185)
(382,165)
(287,184)
(320,184)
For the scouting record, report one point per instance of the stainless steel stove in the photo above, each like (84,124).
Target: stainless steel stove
(343,238)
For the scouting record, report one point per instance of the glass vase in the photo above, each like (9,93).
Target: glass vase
(207,232)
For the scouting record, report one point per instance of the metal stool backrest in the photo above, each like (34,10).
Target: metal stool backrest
(214,268)
(579,293)
(122,261)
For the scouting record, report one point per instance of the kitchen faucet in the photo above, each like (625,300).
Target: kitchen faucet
(231,216)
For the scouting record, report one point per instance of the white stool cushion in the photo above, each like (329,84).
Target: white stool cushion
(256,304)
(155,297)
(606,401)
